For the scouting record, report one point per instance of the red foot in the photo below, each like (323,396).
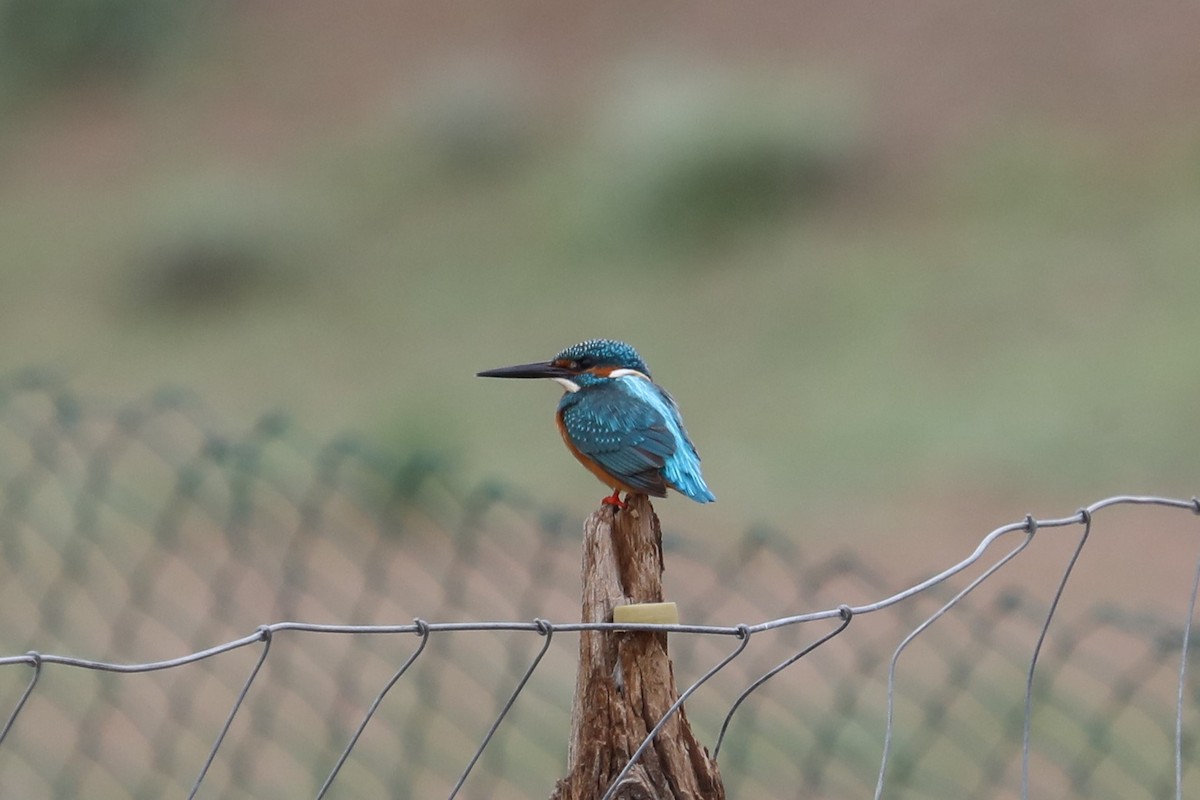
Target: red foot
(615,500)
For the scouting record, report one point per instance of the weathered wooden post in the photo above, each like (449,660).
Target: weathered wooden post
(625,681)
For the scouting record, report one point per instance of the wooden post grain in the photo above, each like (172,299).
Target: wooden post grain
(625,681)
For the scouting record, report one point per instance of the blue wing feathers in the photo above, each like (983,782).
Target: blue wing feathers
(633,430)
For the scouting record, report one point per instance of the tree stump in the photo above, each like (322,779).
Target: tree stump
(625,681)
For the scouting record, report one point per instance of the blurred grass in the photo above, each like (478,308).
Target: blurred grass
(1020,320)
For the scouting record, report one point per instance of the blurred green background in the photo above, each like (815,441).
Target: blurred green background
(898,261)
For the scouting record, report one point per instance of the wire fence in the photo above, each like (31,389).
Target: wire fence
(151,545)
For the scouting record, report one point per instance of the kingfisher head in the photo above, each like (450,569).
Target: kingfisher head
(585,364)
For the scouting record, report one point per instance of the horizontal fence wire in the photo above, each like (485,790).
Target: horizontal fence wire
(149,539)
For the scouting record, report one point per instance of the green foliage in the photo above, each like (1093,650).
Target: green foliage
(213,246)
(689,161)
(58,41)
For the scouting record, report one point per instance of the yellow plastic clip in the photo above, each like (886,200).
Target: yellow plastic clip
(658,613)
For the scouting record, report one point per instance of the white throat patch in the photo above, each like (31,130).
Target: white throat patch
(567,383)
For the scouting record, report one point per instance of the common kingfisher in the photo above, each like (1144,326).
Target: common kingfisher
(618,422)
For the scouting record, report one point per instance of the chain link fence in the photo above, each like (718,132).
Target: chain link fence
(148,531)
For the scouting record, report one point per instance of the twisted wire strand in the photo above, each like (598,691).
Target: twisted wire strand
(1029,526)
(847,616)
(265,636)
(1027,724)
(1183,665)
(36,663)
(423,632)
(547,632)
(670,712)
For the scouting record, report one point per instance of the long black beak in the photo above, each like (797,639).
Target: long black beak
(541,369)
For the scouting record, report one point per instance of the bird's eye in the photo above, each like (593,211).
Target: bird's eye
(586,362)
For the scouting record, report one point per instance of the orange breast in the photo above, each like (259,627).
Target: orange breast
(590,463)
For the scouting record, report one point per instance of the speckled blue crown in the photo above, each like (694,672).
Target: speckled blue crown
(605,352)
